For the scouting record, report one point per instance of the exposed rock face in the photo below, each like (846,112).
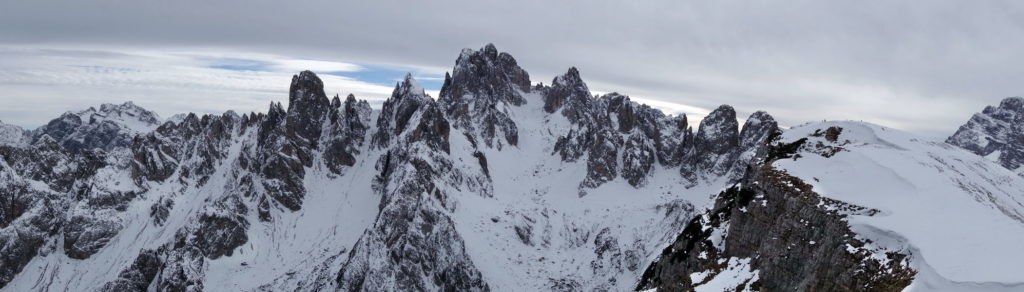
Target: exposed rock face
(409,108)
(287,141)
(28,218)
(280,160)
(137,276)
(348,124)
(623,138)
(307,107)
(620,137)
(31,215)
(793,239)
(714,145)
(996,133)
(106,128)
(478,94)
(413,246)
(568,91)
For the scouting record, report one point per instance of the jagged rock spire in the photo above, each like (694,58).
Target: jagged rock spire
(407,101)
(409,87)
(336,101)
(488,74)
(756,130)
(718,133)
(568,88)
(714,148)
(307,105)
(488,82)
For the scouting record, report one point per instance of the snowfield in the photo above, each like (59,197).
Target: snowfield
(959,215)
(534,188)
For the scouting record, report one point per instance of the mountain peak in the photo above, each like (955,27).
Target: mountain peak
(488,82)
(489,73)
(995,133)
(1015,103)
(13,135)
(719,130)
(571,78)
(306,88)
(307,105)
(565,89)
(112,125)
(408,87)
(139,118)
(490,50)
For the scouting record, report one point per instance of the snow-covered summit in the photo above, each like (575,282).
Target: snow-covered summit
(132,117)
(13,135)
(996,133)
(110,126)
(477,97)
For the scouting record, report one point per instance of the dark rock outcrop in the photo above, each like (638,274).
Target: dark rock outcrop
(347,127)
(794,239)
(607,127)
(622,138)
(307,107)
(31,216)
(714,145)
(137,276)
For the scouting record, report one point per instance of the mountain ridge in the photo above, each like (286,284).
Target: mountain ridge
(495,185)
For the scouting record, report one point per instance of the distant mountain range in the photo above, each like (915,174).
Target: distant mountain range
(499,184)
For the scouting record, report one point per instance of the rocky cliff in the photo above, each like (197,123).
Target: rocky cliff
(996,133)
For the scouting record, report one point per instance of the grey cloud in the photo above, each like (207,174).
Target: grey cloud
(919,66)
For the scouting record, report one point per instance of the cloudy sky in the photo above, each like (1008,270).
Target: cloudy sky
(920,66)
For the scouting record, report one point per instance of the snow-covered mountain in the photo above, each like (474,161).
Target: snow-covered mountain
(996,133)
(108,127)
(13,135)
(498,184)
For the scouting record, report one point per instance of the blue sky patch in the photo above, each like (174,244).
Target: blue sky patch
(388,76)
(240,65)
(374,74)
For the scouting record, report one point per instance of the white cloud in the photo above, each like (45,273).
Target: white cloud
(293,65)
(924,68)
(36,85)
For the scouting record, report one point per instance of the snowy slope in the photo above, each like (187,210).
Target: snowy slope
(534,192)
(958,214)
(13,135)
